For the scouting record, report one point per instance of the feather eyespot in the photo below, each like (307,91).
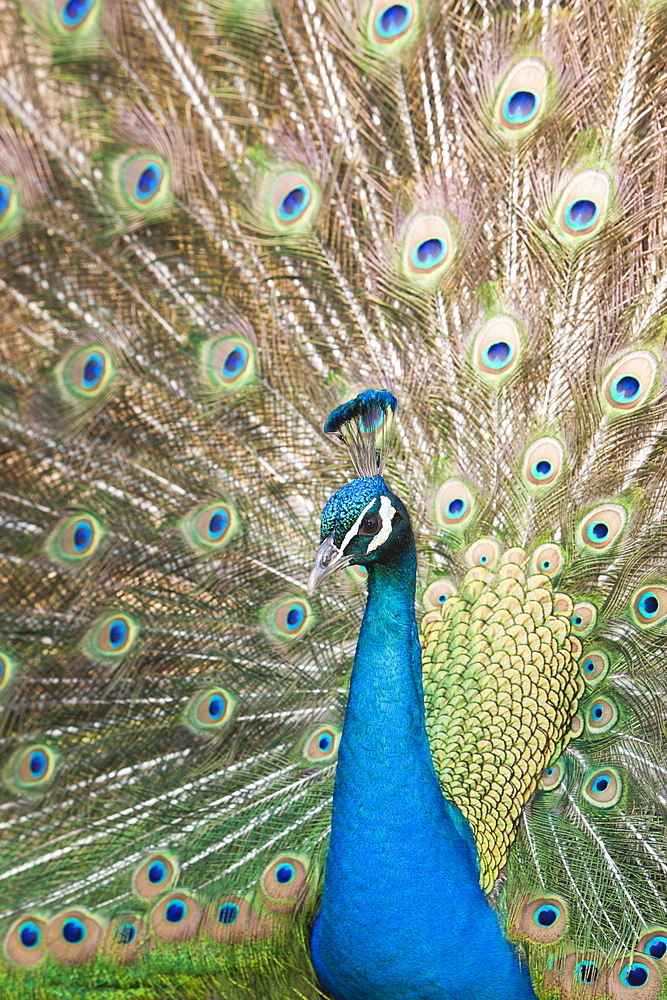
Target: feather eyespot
(72,937)
(76,539)
(454,504)
(522,97)
(586,972)
(583,205)
(145,181)
(649,605)
(290,618)
(632,976)
(497,347)
(584,617)
(176,918)
(5,198)
(542,919)
(437,593)
(113,637)
(87,372)
(211,710)
(33,768)
(484,552)
(73,13)
(124,939)
(212,526)
(630,381)
(292,200)
(594,665)
(284,882)
(427,248)
(9,205)
(602,527)
(25,943)
(547,559)
(543,462)
(603,788)
(229,363)
(552,777)
(229,919)
(155,876)
(654,943)
(7,669)
(321,745)
(602,715)
(391,23)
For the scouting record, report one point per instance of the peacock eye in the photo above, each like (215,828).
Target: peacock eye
(370,525)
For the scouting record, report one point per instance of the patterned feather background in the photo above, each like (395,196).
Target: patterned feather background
(219,220)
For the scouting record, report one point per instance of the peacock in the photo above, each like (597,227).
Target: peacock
(333,500)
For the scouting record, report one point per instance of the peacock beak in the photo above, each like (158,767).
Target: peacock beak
(327,561)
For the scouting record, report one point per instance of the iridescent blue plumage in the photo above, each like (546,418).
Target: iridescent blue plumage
(403,914)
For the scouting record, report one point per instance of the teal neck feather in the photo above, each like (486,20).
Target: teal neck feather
(403,916)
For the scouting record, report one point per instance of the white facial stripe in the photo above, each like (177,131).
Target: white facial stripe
(387,514)
(355,527)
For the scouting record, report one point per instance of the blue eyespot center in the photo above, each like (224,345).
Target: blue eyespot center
(656,947)
(626,388)
(125,933)
(218,523)
(294,203)
(499,354)
(581,214)
(5,198)
(325,742)
(285,873)
(520,107)
(601,784)
(429,253)
(118,633)
(83,536)
(545,564)
(577,620)
(393,21)
(38,764)
(599,530)
(547,915)
(176,911)
(73,931)
(648,605)
(75,12)
(455,508)
(157,872)
(597,712)
(216,707)
(93,371)
(235,361)
(542,468)
(635,975)
(149,182)
(587,972)
(294,617)
(29,934)
(228,913)
(589,666)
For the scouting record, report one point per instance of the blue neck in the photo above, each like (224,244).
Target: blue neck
(403,916)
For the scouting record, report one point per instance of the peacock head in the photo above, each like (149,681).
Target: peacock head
(363,523)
